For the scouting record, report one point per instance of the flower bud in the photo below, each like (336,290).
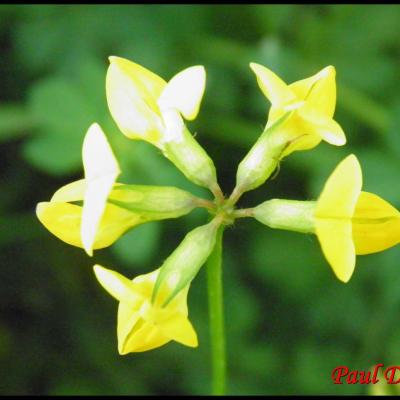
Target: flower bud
(182,265)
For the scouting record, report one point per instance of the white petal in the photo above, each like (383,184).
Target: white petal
(101,171)
(184,92)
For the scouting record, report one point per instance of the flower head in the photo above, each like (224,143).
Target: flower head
(310,101)
(143,325)
(349,221)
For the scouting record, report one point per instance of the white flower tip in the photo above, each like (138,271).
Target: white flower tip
(99,271)
(114,59)
(89,249)
(200,71)
(39,208)
(184,92)
(341,141)
(94,128)
(118,65)
(254,65)
(98,157)
(261,71)
(351,158)
(103,275)
(327,71)
(344,279)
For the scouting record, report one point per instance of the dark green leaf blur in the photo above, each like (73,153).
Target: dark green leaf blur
(290,322)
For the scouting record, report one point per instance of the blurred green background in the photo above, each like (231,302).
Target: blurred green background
(289,321)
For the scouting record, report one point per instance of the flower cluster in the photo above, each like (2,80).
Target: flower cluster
(93,212)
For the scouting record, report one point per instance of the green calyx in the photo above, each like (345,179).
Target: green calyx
(289,215)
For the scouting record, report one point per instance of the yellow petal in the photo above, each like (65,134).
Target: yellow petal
(73,191)
(334,210)
(179,328)
(297,134)
(302,142)
(147,337)
(117,285)
(322,97)
(335,237)
(376,224)
(101,171)
(302,87)
(341,191)
(127,318)
(144,283)
(319,92)
(132,93)
(114,223)
(62,220)
(328,129)
(179,302)
(150,84)
(273,87)
(184,92)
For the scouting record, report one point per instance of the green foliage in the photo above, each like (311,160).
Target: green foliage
(289,321)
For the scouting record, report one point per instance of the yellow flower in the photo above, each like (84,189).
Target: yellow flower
(146,107)
(312,103)
(63,218)
(349,221)
(66,220)
(143,325)
(109,209)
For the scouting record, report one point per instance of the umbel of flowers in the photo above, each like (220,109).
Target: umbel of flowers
(92,213)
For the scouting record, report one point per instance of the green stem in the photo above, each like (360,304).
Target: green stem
(203,203)
(235,196)
(243,213)
(215,302)
(217,192)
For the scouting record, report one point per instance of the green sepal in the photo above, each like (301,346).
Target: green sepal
(179,269)
(192,160)
(289,215)
(153,202)
(263,158)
